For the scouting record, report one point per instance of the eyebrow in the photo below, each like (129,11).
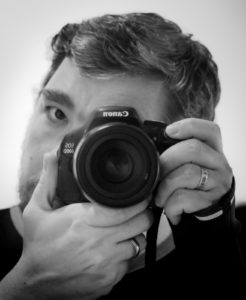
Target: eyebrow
(58,97)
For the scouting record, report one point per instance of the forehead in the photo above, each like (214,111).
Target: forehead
(146,94)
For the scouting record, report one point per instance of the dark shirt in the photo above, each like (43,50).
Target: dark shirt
(207,262)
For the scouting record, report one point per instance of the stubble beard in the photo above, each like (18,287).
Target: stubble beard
(26,188)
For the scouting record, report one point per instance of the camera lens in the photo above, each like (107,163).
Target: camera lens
(115,164)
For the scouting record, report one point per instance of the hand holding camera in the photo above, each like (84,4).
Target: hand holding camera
(105,171)
(195,174)
(79,251)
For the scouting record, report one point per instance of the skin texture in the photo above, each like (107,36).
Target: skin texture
(82,250)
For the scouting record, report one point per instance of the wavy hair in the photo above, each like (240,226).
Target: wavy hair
(143,43)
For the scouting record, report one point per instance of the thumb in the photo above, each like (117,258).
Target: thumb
(46,187)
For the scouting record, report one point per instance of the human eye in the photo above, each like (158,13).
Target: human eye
(55,115)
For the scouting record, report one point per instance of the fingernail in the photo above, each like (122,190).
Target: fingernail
(173,129)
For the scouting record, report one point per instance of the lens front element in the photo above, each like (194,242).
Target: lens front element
(116,165)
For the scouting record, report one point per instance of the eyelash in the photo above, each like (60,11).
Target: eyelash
(53,118)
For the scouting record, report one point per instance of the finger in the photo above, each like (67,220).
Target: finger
(102,216)
(185,201)
(187,176)
(133,227)
(127,250)
(45,189)
(191,151)
(204,130)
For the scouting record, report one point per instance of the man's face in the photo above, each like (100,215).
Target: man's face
(65,104)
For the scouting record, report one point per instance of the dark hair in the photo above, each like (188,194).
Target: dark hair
(143,43)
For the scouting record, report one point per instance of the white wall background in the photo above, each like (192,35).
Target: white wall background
(27,25)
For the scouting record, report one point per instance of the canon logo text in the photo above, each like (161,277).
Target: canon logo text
(124,113)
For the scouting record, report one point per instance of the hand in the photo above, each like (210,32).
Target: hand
(200,147)
(79,251)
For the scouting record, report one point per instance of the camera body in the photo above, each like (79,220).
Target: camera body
(113,160)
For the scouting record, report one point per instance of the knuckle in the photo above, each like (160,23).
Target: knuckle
(98,260)
(178,195)
(194,146)
(191,123)
(216,129)
(189,171)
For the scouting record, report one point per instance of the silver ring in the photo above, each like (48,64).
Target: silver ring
(203,179)
(135,246)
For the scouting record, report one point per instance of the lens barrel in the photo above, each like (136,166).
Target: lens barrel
(116,164)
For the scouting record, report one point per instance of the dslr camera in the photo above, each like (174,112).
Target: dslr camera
(113,160)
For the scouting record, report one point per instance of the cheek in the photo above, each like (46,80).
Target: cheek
(32,158)
(36,144)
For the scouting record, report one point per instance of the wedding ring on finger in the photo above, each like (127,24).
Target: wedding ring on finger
(138,244)
(135,246)
(203,179)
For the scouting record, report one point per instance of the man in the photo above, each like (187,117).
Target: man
(87,250)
